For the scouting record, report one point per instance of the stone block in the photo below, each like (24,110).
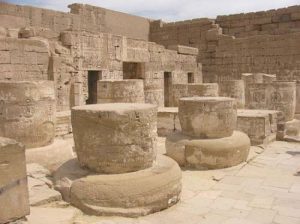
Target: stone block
(115,138)
(178,91)
(280,96)
(63,123)
(203,89)
(259,125)
(184,49)
(120,91)
(207,117)
(5,57)
(14,200)
(167,121)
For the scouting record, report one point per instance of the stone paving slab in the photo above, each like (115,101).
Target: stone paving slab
(265,190)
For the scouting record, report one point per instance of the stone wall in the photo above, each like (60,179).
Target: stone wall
(277,54)
(193,33)
(281,21)
(22,59)
(81,18)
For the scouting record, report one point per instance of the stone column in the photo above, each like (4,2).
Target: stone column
(277,95)
(234,89)
(203,89)
(115,138)
(14,201)
(120,91)
(208,139)
(207,117)
(27,112)
(117,172)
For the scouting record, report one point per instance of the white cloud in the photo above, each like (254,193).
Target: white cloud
(170,10)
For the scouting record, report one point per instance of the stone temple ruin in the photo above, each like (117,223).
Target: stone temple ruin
(105,107)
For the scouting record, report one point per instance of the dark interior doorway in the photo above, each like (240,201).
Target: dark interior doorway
(133,70)
(167,87)
(191,78)
(93,77)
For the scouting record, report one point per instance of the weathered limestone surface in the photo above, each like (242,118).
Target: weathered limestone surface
(27,112)
(279,96)
(234,89)
(121,91)
(23,59)
(259,125)
(206,154)
(203,89)
(178,91)
(167,121)
(51,156)
(293,128)
(14,202)
(252,78)
(184,49)
(63,123)
(40,186)
(115,138)
(130,194)
(193,89)
(207,117)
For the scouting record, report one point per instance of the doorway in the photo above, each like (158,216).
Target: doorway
(167,88)
(93,77)
(191,78)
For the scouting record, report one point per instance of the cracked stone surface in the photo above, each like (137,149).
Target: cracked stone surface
(263,190)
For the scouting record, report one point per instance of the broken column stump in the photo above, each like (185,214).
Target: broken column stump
(14,199)
(27,112)
(117,172)
(120,91)
(208,139)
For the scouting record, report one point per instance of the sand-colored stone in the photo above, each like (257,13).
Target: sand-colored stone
(167,121)
(233,89)
(14,202)
(279,96)
(259,125)
(178,91)
(121,91)
(130,194)
(115,138)
(27,112)
(203,89)
(51,156)
(206,154)
(207,117)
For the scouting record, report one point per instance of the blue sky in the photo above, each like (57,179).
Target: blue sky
(169,10)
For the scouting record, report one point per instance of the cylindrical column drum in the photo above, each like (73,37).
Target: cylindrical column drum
(115,138)
(207,117)
(120,91)
(27,112)
(277,95)
(178,91)
(233,89)
(203,89)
